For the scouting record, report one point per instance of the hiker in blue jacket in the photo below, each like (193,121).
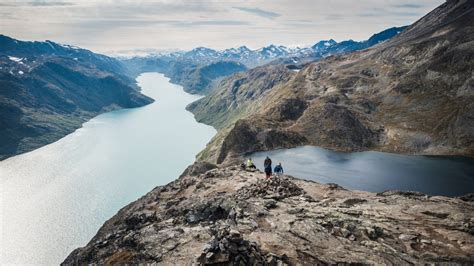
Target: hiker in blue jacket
(278,169)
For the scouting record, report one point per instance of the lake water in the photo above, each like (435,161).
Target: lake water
(376,171)
(55,198)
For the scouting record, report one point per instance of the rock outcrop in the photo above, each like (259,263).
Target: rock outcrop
(229,216)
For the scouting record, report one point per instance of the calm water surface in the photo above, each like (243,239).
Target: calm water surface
(55,198)
(376,171)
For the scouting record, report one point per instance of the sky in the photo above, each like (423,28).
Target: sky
(114,26)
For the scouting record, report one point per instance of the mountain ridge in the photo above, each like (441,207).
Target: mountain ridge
(266,54)
(49,90)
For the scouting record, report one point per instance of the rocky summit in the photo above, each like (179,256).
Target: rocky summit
(230,216)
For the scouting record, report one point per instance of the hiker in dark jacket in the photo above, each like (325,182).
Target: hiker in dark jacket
(267,165)
(278,170)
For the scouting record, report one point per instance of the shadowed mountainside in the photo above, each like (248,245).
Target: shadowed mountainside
(49,90)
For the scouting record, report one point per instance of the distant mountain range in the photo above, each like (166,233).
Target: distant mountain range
(186,68)
(252,58)
(48,90)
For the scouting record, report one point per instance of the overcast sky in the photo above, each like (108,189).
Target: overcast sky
(113,25)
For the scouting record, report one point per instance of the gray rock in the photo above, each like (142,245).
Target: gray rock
(374,232)
(407,237)
(270,204)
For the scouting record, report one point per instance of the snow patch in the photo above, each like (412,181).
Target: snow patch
(69,46)
(15,59)
(21,72)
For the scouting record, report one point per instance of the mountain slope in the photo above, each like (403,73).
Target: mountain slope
(197,78)
(411,94)
(48,90)
(237,95)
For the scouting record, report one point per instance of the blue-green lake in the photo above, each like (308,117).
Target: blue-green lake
(377,171)
(55,198)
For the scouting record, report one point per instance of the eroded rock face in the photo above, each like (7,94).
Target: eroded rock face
(228,216)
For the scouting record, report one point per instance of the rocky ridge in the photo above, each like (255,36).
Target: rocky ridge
(229,216)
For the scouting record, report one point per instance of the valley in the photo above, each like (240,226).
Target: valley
(411,94)
(376,137)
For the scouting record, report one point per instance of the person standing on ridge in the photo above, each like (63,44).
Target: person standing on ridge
(267,164)
(278,170)
(250,164)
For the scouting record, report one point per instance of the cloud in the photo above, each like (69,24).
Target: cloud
(101,25)
(258,12)
(36,4)
(407,6)
(213,23)
(109,24)
(299,23)
(389,13)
